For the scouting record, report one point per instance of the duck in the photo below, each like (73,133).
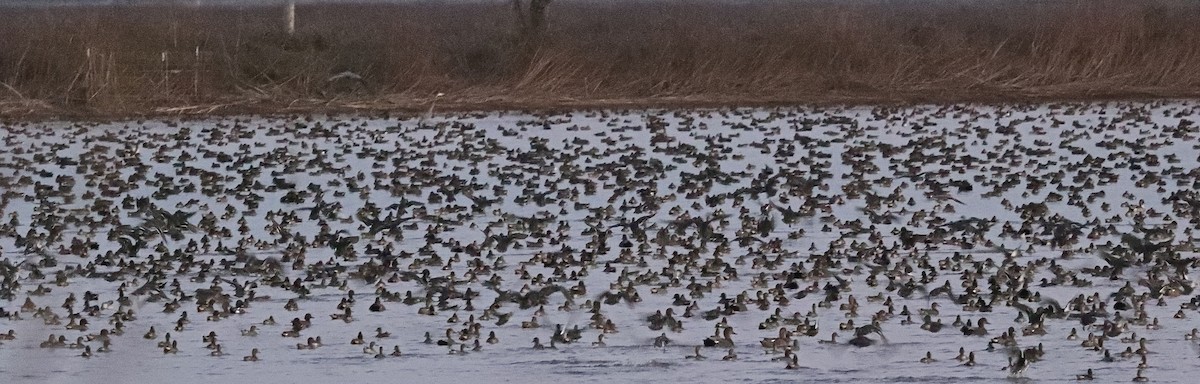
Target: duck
(832,339)
(1140,378)
(725,340)
(171,349)
(105,346)
(928,358)
(662,340)
(794,363)
(933,310)
(1142,350)
(775,343)
(929,325)
(787,355)
(861,341)
(449,340)
(166,341)
(377,306)
(978,330)
(253,355)
(730,355)
(1086,375)
(695,355)
(371,349)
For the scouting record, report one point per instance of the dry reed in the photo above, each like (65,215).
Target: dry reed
(177,58)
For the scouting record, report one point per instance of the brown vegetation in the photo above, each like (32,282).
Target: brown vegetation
(178,59)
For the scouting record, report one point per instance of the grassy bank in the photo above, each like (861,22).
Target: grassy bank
(178,59)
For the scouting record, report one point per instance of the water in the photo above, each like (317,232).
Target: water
(826,144)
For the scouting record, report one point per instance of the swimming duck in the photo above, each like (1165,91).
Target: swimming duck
(449,340)
(253,355)
(722,338)
(105,346)
(371,349)
(1139,378)
(978,330)
(661,341)
(928,358)
(730,355)
(1086,376)
(377,306)
(775,343)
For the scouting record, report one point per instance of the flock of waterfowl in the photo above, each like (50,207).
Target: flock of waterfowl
(960,241)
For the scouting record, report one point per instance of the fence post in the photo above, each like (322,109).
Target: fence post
(166,73)
(196,74)
(289,17)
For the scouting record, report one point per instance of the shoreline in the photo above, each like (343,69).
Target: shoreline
(19,111)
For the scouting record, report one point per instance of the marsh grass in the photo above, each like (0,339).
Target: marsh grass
(148,58)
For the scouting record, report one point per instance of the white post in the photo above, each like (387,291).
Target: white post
(289,17)
(196,73)
(166,73)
